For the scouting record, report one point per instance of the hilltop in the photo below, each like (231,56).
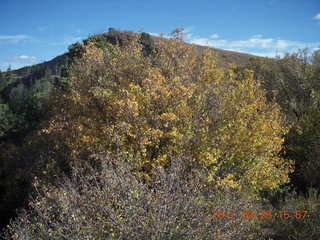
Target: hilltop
(53,69)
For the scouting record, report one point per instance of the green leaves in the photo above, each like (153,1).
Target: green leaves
(7,119)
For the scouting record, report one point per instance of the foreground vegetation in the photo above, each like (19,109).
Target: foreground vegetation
(155,132)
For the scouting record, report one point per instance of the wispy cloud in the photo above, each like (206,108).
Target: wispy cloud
(316,17)
(214,36)
(188,33)
(14,38)
(268,54)
(26,58)
(257,45)
(16,62)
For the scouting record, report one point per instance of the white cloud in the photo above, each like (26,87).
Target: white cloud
(248,43)
(253,43)
(214,36)
(154,34)
(16,62)
(25,57)
(268,54)
(13,38)
(187,33)
(233,49)
(187,36)
(316,17)
(202,42)
(257,45)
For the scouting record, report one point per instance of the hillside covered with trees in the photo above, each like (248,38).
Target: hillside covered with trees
(129,136)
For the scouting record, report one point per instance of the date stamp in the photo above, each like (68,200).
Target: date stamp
(261,215)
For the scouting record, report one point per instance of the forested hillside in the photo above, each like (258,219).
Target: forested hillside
(191,142)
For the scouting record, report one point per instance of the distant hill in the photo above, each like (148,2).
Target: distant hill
(28,76)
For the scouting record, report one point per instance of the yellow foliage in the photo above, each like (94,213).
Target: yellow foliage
(173,102)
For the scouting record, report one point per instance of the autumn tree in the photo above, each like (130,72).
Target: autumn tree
(150,109)
(293,82)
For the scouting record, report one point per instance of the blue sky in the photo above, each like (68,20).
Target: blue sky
(34,31)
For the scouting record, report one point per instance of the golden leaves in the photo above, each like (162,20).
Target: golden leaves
(174,101)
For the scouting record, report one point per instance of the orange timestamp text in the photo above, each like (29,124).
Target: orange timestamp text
(261,215)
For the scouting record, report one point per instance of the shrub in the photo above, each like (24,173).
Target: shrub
(115,204)
(299,225)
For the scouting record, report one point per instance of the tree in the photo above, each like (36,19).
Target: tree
(6,78)
(7,119)
(293,82)
(148,110)
(75,50)
(178,33)
(148,43)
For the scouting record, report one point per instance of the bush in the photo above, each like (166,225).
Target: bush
(115,204)
(304,221)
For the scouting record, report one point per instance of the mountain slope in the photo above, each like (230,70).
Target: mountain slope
(29,75)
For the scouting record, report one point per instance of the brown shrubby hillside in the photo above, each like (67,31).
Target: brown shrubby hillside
(152,130)
(163,137)
(115,204)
